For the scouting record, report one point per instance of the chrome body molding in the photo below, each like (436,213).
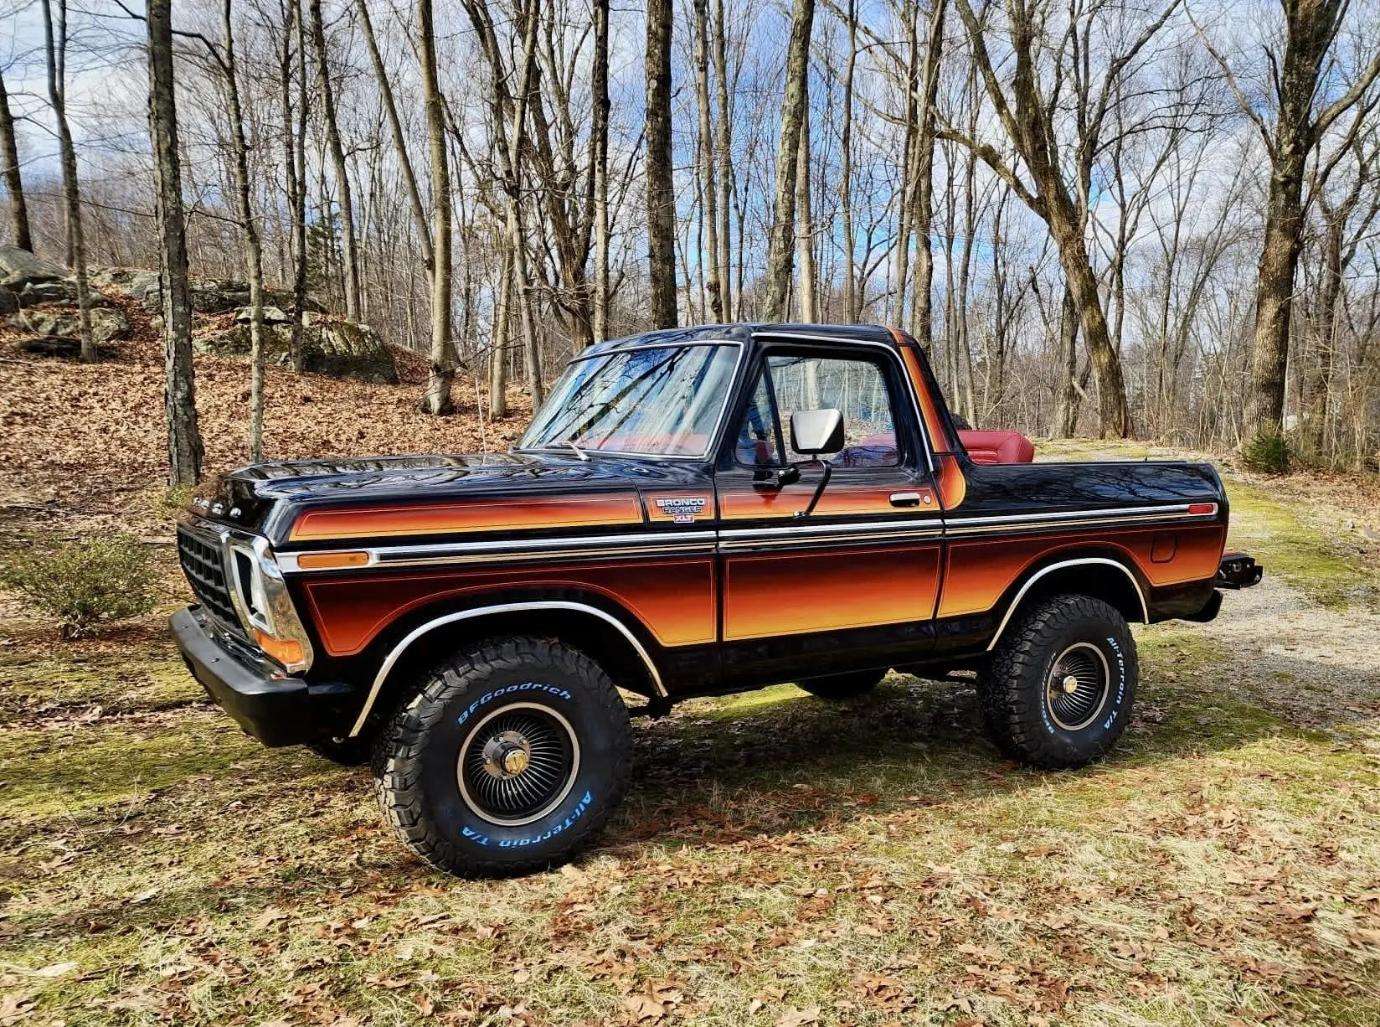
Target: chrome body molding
(709,540)
(665,543)
(1081,518)
(1081,561)
(732,540)
(488,611)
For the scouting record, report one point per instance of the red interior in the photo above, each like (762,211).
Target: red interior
(985,447)
(997,447)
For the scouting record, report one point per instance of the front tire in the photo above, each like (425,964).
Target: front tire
(509,758)
(1061,683)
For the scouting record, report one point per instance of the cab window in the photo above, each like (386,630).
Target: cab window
(790,382)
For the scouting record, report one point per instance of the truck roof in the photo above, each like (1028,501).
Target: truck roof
(746,332)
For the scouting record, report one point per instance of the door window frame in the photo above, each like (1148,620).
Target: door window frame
(912,452)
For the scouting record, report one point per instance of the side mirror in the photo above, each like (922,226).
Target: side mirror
(817,432)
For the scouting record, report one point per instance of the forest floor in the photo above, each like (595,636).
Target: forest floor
(779,861)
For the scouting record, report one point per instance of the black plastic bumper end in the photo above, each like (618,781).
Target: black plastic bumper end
(276,711)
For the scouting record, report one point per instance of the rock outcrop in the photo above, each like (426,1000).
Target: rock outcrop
(341,349)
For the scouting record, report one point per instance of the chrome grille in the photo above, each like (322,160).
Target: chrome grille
(204,566)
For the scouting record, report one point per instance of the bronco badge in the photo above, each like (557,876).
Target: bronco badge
(682,509)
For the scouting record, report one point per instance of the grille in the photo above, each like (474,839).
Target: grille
(204,567)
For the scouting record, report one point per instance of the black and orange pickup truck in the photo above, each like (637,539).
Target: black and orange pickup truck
(691,512)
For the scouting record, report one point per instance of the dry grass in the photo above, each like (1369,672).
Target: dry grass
(779,861)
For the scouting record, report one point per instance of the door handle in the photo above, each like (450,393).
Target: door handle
(905,499)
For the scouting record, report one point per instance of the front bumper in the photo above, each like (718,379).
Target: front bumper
(275,710)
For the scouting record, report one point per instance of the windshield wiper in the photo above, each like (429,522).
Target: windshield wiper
(576,449)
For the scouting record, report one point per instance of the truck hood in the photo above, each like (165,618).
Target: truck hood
(265,497)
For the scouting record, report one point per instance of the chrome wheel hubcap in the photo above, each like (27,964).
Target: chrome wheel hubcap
(517,764)
(1078,686)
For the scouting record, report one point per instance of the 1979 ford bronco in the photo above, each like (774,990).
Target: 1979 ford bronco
(691,512)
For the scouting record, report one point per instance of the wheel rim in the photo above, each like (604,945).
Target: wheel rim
(1077,687)
(517,764)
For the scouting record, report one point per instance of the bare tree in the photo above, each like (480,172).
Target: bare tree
(661,190)
(780,246)
(599,159)
(55,52)
(390,107)
(1302,117)
(1027,111)
(179,396)
(249,228)
(344,197)
(14,181)
(442,372)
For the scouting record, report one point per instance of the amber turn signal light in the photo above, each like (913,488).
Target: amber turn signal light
(331,561)
(286,651)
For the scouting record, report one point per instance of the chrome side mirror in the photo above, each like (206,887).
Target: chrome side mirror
(817,432)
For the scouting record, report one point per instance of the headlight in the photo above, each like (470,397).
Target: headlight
(264,606)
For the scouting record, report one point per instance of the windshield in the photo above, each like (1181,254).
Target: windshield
(658,401)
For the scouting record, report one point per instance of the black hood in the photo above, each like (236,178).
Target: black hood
(264,496)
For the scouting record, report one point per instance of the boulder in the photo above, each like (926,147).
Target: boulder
(60,290)
(106,324)
(272,316)
(9,300)
(344,349)
(62,348)
(20,267)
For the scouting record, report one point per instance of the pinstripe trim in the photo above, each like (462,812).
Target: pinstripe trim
(736,540)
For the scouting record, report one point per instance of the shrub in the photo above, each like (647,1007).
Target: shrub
(1267,453)
(83,584)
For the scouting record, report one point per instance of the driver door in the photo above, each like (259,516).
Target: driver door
(855,580)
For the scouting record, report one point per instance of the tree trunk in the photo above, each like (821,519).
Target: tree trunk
(349,255)
(299,206)
(723,147)
(498,358)
(14,181)
(1066,404)
(661,193)
(599,142)
(1279,259)
(713,273)
(390,108)
(922,326)
(253,251)
(1114,417)
(1317,385)
(780,245)
(806,300)
(55,50)
(179,396)
(442,371)
(850,270)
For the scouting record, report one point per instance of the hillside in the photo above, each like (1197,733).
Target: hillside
(88,440)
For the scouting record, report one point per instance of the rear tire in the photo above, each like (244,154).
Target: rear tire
(842,687)
(1061,684)
(508,758)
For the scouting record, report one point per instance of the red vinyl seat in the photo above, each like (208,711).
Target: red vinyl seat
(997,447)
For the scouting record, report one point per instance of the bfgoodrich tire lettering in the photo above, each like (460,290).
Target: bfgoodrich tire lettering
(439,740)
(1062,682)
